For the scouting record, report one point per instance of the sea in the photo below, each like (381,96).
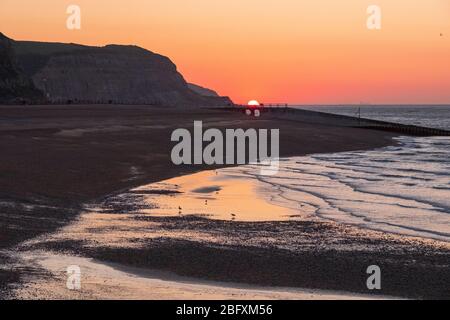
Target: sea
(401,189)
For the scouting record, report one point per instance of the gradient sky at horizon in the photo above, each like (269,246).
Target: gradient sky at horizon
(309,52)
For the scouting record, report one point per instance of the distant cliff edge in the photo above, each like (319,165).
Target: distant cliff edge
(72,73)
(203,91)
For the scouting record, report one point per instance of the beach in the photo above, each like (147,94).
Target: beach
(108,280)
(80,182)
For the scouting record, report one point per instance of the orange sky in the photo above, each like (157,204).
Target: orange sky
(297,51)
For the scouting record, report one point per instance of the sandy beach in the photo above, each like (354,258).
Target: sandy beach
(108,280)
(71,164)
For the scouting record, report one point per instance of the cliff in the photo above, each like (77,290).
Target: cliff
(15,85)
(71,73)
(202,91)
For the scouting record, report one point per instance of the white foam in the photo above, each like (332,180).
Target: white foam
(396,190)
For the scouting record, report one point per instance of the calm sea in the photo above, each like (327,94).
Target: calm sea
(401,189)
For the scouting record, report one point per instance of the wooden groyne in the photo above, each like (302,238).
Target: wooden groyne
(308,116)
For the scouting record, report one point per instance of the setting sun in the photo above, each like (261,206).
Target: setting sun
(253,103)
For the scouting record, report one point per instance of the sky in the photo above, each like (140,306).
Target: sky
(293,51)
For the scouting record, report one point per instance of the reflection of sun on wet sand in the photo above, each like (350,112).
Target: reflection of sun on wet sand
(215,195)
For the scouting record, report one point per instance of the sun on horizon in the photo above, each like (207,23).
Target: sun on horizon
(253,103)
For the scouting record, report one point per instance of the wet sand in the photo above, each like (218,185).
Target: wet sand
(210,194)
(137,229)
(108,280)
(56,159)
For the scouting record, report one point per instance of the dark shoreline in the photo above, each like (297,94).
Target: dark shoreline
(52,168)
